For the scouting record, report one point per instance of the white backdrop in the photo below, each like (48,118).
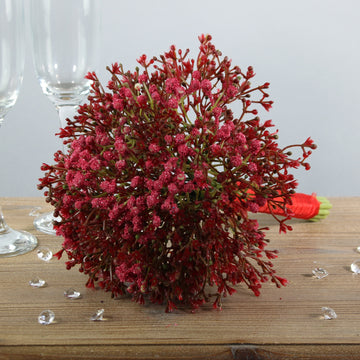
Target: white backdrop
(308,50)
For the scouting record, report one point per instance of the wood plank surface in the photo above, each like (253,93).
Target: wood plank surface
(282,323)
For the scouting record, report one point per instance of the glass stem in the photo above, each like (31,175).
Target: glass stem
(3,226)
(65,112)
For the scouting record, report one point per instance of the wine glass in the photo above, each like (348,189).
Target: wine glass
(12,242)
(65,37)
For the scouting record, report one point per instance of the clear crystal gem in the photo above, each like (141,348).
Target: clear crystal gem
(44,253)
(320,273)
(37,282)
(355,267)
(72,294)
(358,249)
(46,317)
(98,316)
(328,313)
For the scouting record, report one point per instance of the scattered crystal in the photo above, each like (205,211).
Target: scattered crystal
(46,317)
(72,294)
(35,211)
(328,313)
(355,267)
(98,316)
(320,273)
(44,253)
(37,282)
(358,249)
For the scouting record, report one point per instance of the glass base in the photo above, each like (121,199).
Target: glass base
(44,223)
(13,242)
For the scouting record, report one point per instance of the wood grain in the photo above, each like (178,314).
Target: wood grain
(282,323)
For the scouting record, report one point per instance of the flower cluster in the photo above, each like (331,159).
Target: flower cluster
(155,188)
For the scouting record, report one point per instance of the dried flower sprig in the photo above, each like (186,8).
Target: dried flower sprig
(155,190)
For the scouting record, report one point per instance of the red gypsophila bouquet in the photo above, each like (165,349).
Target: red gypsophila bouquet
(155,188)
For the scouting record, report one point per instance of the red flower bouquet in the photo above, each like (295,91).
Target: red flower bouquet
(155,188)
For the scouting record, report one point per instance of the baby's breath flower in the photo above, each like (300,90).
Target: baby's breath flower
(154,190)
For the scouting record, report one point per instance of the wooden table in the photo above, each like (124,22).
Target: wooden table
(282,323)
